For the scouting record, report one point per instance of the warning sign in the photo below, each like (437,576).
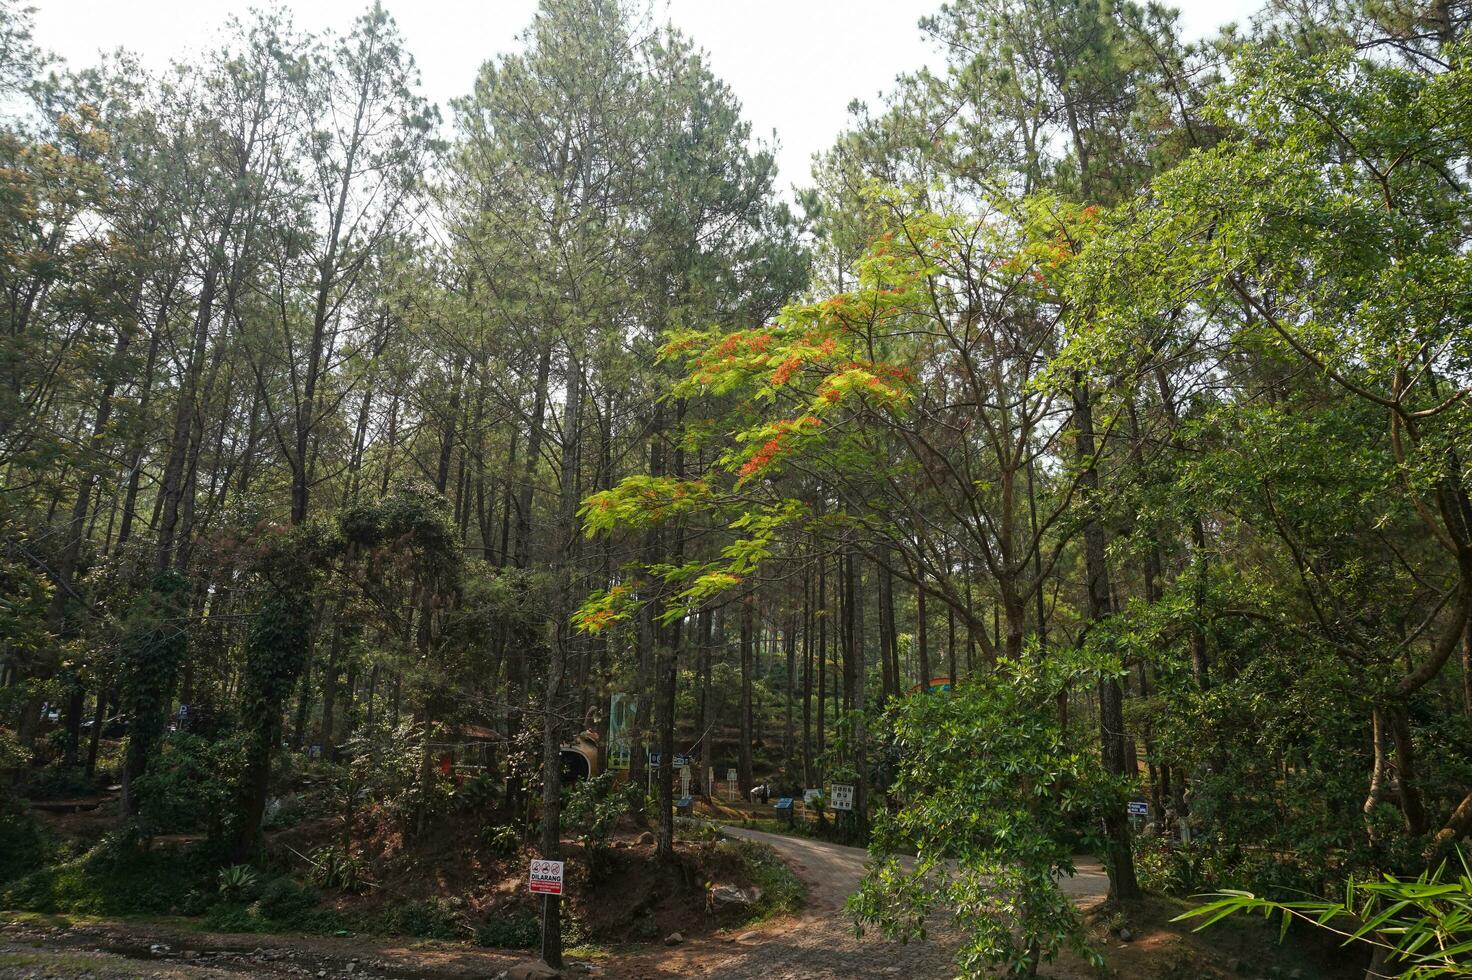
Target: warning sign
(546,877)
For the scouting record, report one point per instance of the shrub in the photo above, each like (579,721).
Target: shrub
(230,917)
(24,845)
(993,790)
(1168,866)
(285,898)
(58,783)
(383,765)
(190,785)
(593,807)
(510,931)
(238,883)
(433,918)
(334,867)
(117,877)
(476,795)
(500,839)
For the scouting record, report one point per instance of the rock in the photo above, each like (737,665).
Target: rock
(531,970)
(646,838)
(747,937)
(1125,935)
(673,939)
(731,895)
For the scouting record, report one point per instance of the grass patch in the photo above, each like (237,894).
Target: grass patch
(234,917)
(50,962)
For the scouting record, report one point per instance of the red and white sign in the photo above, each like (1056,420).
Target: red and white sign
(546,877)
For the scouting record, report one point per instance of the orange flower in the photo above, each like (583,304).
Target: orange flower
(786,370)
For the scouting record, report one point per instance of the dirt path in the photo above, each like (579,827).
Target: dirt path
(821,944)
(832,871)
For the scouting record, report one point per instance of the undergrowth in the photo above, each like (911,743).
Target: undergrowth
(782,891)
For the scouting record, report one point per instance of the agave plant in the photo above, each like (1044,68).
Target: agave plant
(237,882)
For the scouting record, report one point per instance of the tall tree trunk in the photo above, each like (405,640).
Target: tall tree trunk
(1120,860)
(743,766)
(559,645)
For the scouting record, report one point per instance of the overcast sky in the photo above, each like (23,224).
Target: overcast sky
(795,64)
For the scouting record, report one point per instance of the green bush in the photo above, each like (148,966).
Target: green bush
(334,867)
(58,783)
(593,807)
(1165,865)
(117,877)
(285,898)
(190,785)
(433,918)
(232,917)
(383,764)
(475,795)
(238,883)
(24,845)
(511,931)
(992,792)
(500,839)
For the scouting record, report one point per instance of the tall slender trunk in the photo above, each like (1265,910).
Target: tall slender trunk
(1120,860)
(559,653)
(922,633)
(743,766)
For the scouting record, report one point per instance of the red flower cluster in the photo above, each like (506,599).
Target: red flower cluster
(764,456)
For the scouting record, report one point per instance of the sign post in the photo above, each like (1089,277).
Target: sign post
(731,783)
(546,880)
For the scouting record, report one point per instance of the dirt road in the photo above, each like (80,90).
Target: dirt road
(821,945)
(832,871)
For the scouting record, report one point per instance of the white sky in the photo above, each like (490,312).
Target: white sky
(795,64)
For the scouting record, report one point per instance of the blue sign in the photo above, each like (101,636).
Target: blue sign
(1139,808)
(681,761)
(785,803)
(654,758)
